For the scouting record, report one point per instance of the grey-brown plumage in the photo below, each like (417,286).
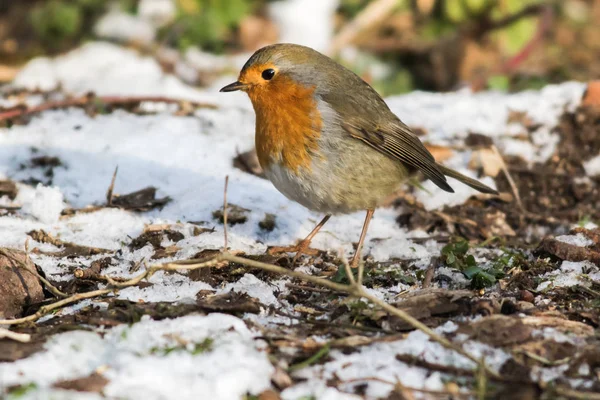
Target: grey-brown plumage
(365,152)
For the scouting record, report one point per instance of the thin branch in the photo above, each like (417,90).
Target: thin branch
(17,337)
(509,178)
(225,213)
(446,394)
(370,16)
(20,111)
(46,309)
(109,192)
(347,267)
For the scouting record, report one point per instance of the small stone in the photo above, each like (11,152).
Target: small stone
(526,295)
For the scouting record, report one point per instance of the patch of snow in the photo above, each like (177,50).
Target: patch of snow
(381,357)
(592,166)
(254,287)
(488,113)
(215,355)
(122,26)
(576,240)
(43,203)
(571,273)
(309,24)
(124,72)
(159,12)
(165,287)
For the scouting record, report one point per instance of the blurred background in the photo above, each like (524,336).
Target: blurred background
(396,45)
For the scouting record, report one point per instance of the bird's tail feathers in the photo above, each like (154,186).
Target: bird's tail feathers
(475,184)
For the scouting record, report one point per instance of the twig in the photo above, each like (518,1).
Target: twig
(347,268)
(307,288)
(575,394)
(544,24)
(20,111)
(429,273)
(352,289)
(17,337)
(225,213)
(323,351)
(109,192)
(509,178)
(53,306)
(447,394)
(490,25)
(370,16)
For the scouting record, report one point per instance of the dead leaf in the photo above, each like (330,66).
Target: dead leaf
(427,303)
(235,214)
(269,394)
(268,223)
(591,97)
(141,200)
(440,153)
(19,286)
(559,323)
(9,189)
(248,162)
(498,330)
(94,383)
(231,303)
(495,225)
(487,160)
(567,251)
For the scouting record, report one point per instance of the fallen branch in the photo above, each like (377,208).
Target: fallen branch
(17,337)
(50,307)
(20,111)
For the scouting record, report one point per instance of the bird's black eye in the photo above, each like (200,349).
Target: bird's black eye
(268,74)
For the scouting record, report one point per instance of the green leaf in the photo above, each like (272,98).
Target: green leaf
(482,280)
(470,272)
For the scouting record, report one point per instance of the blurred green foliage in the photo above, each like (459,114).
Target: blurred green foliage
(60,23)
(209,23)
(51,26)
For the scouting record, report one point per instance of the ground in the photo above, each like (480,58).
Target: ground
(512,279)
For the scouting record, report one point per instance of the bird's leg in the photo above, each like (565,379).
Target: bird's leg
(363,234)
(303,246)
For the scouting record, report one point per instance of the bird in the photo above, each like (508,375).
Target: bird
(327,140)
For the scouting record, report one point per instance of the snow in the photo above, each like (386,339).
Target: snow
(576,240)
(159,12)
(187,159)
(571,273)
(309,23)
(119,25)
(154,360)
(454,115)
(359,366)
(592,166)
(42,202)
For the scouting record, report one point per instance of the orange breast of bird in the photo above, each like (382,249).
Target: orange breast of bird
(288,124)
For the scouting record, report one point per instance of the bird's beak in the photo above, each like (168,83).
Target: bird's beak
(232,87)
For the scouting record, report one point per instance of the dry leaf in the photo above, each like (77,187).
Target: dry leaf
(487,160)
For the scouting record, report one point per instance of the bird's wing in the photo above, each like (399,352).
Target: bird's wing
(396,140)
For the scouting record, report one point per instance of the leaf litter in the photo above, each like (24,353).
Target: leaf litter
(518,287)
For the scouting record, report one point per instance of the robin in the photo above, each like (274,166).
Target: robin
(327,140)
